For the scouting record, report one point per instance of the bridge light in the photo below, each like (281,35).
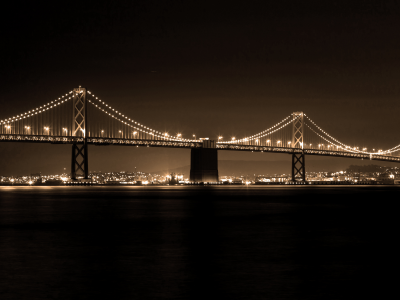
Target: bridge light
(279,142)
(233,138)
(220,137)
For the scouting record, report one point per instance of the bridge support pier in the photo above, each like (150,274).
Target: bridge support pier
(204,163)
(298,167)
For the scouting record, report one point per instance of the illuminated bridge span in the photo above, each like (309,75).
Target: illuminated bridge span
(80,118)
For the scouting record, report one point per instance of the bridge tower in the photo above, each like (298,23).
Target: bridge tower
(298,162)
(79,161)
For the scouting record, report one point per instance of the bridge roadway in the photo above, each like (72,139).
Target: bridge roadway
(100,141)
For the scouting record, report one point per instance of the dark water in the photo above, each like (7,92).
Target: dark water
(191,243)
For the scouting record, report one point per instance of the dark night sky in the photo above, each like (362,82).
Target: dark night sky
(208,68)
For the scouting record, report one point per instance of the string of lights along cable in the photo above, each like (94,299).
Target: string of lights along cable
(101,123)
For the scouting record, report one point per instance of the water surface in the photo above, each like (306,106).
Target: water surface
(232,242)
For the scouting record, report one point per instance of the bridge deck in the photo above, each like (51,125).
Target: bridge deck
(99,141)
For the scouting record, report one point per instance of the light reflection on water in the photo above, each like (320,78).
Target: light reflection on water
(192,242)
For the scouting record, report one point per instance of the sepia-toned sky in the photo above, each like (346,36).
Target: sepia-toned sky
(207,68)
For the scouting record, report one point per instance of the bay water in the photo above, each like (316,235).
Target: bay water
(191,242)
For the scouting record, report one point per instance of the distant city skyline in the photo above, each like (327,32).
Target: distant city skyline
(367,174)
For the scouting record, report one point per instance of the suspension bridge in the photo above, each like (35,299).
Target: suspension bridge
(81,118)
